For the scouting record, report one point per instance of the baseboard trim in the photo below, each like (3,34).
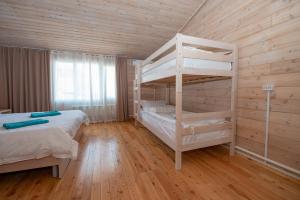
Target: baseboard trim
(270,163)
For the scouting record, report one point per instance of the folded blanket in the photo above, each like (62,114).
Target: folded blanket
(13,125)
(45,114)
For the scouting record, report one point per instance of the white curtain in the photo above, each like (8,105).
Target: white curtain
(85,82)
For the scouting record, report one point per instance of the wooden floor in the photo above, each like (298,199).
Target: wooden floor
(118,161)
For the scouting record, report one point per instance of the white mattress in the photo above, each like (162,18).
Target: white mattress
(165,124)
(33,142)
(69,121)
(189,63)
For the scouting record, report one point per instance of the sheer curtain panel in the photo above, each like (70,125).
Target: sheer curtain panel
(85,82)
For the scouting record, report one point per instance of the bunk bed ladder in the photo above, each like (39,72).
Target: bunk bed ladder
(179,64)
(137,93)
(233,99)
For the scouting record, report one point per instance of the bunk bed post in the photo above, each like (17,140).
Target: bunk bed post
(233,98)
(179,63)
(138,84)
(135,99)
(167,92)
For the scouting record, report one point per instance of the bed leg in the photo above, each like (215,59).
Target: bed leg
(59,170)
(177,160)
(231,148)
(62,167)
(55,171)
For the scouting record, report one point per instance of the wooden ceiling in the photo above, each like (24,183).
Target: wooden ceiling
(133,28)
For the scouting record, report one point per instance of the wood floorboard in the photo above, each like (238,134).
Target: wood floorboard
(120,161)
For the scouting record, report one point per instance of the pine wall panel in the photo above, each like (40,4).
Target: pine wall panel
(205,97)
(267,34)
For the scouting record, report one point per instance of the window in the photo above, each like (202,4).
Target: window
(82,81)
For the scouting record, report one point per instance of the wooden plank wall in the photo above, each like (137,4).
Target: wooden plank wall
(267,34)
(153,93)
(205,97)
(147,92)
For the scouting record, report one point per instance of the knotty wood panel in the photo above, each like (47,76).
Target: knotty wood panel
(205,97)
(201,97)
(267,34)
(147,93)
(130,28)
(153,93)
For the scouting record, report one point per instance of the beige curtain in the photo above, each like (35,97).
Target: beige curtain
(122,89)
(24,79)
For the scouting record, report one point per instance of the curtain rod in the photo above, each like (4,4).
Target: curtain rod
(23,47)
(81,52)
(57,50)
(90,53)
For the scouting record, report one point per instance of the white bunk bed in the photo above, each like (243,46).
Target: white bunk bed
(188,60)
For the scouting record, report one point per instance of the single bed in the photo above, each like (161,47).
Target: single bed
(52,144)
(160,119)
(165,123)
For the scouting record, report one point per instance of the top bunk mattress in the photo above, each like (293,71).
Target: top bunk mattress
(190,63)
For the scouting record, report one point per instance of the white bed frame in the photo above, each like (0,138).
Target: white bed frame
(148,73)
(58,165)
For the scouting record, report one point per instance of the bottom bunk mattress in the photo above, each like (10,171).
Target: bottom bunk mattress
(165,123)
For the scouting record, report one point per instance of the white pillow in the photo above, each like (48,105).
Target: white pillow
(160,109)
(165,109)
(149,109)
(146,103)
